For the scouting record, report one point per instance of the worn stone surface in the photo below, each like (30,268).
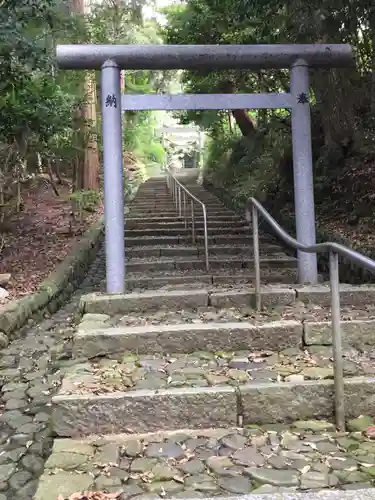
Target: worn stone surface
(308,455)
(213,386)
(133,302)
(31,368)
(182,384)
(310,399)
(349,294)
(132,371)
(355,333)
(124,412)
(186,338)
(270,296)
(360,424)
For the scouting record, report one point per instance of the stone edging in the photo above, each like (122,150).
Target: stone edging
(57,287)
(349,272)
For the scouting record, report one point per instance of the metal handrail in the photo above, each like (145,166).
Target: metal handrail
(334,250)
(179,194)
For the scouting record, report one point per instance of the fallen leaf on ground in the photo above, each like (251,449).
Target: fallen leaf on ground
(39,238)
(370,432)
(91,495)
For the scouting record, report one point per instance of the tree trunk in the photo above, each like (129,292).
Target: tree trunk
(89,178)
(372,31)
(244,121)
(91,162)
(78,184)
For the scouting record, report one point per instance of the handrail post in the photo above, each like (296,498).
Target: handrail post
(185,216)
(181,196)
(175,193)
(336,341)
(254,218)
(205,237)
(192,221)
(179,201)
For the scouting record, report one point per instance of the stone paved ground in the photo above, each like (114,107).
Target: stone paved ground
(199,369)
(31,369)
(194,464)
(188,463)
(298,311)
(30,373)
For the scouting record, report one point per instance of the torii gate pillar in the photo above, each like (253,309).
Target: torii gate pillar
(113,177)
(303,170)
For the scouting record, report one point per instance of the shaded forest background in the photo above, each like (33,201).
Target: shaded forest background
(250,154)
(50,129)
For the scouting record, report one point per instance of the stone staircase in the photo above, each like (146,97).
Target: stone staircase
(181,389)
(161,254)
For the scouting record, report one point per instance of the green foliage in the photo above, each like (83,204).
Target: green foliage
(248,166)
(36,105)
(124,24)
(86,199)
(343,100)
(140,138)
(41,106)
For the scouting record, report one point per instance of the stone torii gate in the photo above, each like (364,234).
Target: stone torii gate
(182,130)
(111,59)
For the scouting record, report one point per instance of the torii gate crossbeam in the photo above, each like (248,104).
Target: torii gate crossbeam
(111,59)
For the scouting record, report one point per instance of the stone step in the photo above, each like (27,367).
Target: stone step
(216,262)
(173,212)
(180,224)
(235,239)
(160,199)
(114,304)
(216,329)
(153,194)
(265,242)
(358,333)
(177,218)
(144,190)
(272,462)
(177,250)
(184,338)
(192,299)
(187,231)
(153,199)
(155,207)
(268,248)
(106,396)
(180,280)
(161,206)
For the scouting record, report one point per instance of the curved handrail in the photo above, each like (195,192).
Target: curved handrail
(177,189)
(352,255)
(334,250)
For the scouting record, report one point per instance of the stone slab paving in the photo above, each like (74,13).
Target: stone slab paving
(357,325)
(30,373)
(128,372)
(31,369)
(297,311)
(177,279)
(307,455)
(358,494)
(216,260)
